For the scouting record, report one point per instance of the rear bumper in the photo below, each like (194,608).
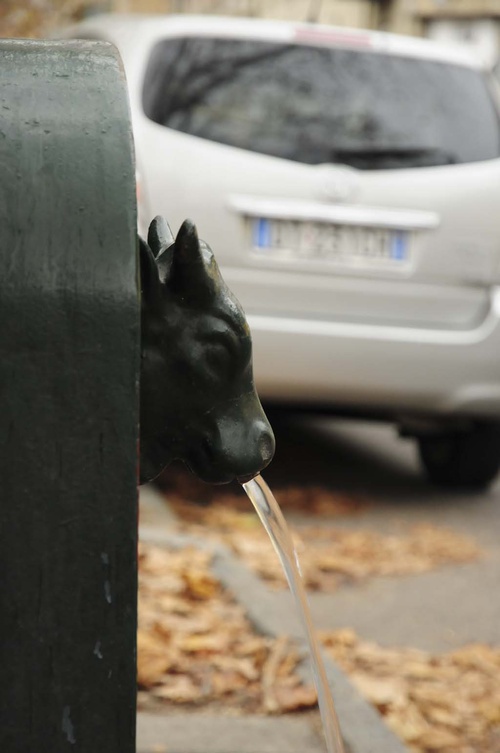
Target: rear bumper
(445,372)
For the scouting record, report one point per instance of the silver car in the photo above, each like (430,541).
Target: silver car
(349,183)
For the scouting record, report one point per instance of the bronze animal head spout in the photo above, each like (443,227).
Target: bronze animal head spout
(197,397)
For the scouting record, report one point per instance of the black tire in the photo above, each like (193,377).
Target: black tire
(462,459)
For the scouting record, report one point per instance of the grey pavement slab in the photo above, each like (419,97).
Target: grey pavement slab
(437,611)
(199,733)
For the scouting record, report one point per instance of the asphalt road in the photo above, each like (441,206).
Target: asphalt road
(436,611)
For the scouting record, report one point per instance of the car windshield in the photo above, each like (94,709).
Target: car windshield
(322,105)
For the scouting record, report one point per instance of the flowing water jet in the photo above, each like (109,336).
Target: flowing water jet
(273,521)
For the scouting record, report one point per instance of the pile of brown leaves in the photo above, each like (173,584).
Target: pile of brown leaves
(436,703)
(195,645)
(196,648)
(448,703)
(330,556)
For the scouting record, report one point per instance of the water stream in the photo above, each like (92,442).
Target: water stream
(273,521)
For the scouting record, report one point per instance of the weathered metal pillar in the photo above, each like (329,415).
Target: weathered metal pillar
(69,344)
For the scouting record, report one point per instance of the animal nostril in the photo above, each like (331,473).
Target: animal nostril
(262,452)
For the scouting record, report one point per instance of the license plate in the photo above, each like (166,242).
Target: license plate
(345,245)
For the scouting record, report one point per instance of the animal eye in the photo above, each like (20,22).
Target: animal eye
(219,358)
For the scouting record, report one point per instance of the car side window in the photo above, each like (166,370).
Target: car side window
(322,105)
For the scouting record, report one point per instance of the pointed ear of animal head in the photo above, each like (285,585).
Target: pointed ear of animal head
(161,241)
(159,236)
(150,281)
(195,274)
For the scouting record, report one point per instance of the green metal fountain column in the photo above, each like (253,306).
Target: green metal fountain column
(69,363)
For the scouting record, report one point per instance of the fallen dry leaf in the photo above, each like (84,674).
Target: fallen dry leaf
(270,673)
(381,691)
(180,689)
(154,658)
(200,584)
(296,698)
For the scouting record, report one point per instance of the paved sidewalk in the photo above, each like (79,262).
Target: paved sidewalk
(363,729)
(198,733)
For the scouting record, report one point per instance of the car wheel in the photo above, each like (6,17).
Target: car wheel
(467,459)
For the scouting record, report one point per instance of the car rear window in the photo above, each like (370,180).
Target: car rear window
(321,105)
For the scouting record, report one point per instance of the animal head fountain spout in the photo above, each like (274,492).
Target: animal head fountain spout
(197,398)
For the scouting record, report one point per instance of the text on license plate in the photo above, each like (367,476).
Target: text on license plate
(290,239)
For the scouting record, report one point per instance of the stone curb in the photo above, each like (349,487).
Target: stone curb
(363,729)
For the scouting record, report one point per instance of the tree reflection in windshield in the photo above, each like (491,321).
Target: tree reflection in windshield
(322,105)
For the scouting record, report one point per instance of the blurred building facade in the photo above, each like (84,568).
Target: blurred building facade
(473,22)
(393,15)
